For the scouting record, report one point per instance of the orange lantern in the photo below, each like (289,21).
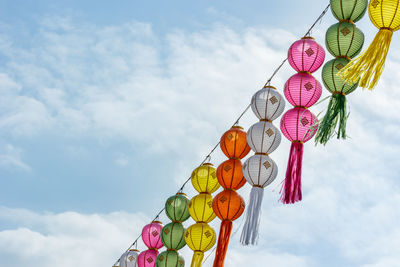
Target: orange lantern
(229,205)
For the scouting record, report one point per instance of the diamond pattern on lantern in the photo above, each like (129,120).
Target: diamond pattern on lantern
(214,175)
(166,231)
(308,86)
(180,261)
(150,260)
(131,258)
(230,137)
(227,168)
(187,234)
(223,199)
(161,258)
(269,132)
(170,202)
(273,100)
(375,3)
(345,31)
(267,165)
(339,66)
(309,52)
(154,233)
(207,234)
(304,121)
(209,203)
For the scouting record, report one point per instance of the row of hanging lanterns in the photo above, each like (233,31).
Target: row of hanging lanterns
(344,41)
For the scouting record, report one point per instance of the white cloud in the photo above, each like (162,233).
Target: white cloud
(11,158)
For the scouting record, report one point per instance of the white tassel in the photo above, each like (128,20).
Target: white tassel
(251,226)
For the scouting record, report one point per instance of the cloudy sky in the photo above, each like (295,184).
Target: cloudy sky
(107,106)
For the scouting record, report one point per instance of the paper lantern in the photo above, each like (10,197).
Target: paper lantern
(267,104)
(344,41)
(233,143)
(228,205)
(350,10)
(230,174)
(306,55)
(204,179)
(200,237)
(148,258)
(200,208)
(176,208)
(170,258)
(302,90)
(151,235)
(129,258)
(368,67)
(263,137)
(173,234)
(298,126)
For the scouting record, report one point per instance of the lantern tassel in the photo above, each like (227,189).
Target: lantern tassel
(251,226)
(336,113)
(223,241)
(291,189)
(370,64)
(197,259)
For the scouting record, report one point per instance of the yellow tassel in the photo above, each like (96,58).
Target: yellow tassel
(370,64)
(197,259)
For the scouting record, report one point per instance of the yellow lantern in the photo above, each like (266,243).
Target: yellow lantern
(200,238)
(200,208)
(368,67)
(204,179)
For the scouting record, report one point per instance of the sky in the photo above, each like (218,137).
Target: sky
(106,108)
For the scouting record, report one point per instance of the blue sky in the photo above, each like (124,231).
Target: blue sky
(106,108)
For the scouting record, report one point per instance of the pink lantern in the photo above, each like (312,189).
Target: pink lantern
(298,125)
(148,258)
(306,55)
(151,235)
(302,90)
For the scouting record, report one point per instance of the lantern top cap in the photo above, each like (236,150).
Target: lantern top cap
(307,37)
(208,164)
(180,194)
(134,250)
(269,86)
(237,127)
(157,222)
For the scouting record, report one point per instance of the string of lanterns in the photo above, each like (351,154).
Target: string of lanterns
(302,90)
(344,41)
(154,237)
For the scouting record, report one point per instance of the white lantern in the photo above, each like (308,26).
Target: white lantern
(268,104)
(129,258)
(263,137)
(260,170)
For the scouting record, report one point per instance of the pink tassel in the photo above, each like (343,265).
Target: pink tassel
(291,190)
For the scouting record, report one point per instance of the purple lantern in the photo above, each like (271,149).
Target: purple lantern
(306,55)
(302,90)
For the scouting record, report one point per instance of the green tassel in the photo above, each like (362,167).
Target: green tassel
(336,113)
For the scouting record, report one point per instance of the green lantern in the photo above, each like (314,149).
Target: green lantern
(170,258)
(344,39)
(176,208)
(334,83)
(173,236)
(352,10)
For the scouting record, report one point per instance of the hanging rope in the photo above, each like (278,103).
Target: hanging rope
(235,123)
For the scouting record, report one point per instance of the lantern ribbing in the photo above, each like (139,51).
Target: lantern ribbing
(151,236)
(235,123)
(344,41)
(298,124)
